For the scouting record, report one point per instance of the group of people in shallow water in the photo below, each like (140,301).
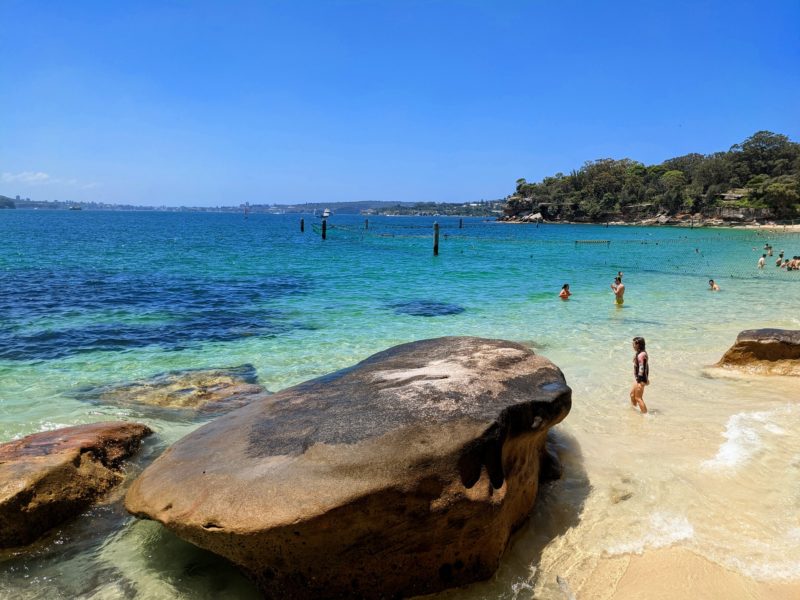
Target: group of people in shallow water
(790,264)
(617,287)
(641,364)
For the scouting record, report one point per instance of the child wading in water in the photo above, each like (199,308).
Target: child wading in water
(641,373)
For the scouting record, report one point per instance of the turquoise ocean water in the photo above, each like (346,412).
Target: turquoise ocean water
(95,298)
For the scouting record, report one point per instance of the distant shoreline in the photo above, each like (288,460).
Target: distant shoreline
(677,225)
(653,222)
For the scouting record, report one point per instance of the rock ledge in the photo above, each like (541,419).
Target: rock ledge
(765,351)
(48,477)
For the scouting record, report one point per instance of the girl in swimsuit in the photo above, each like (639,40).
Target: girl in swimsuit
(565,293)
(641,373)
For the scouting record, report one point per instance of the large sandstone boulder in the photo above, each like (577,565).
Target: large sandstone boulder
(767,351)
(402,475)
(48,477)
(203,390)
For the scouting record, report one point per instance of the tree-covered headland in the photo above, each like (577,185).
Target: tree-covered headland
(759,178)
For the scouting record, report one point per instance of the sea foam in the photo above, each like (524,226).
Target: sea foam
(663,530)
(743,439)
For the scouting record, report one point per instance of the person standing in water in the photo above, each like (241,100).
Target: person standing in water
(712,286)
(619,291)
(761,261)
(641,373)
(565,293)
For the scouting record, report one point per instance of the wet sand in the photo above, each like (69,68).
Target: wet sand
(675,572)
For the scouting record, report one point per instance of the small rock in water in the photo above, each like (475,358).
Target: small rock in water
(623,491)
(564,587)
(619,496)
(426,308)
(765,351)
(48,477)
(206,390)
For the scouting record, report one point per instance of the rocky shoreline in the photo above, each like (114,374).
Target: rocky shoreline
(680,220)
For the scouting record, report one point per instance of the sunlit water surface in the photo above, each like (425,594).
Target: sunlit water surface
(89,299)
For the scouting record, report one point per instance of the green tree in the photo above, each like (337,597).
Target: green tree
(767,153)
(782,197)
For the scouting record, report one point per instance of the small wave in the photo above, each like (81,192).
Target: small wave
(788,570)
(663,530)
(743,435)
(522,588)
(44,426)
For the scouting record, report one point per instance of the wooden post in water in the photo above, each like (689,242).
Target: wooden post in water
(366,223)
(302,225)
(436,239)
(461,223)
(324,228)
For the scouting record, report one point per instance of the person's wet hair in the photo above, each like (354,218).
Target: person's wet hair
(638,343)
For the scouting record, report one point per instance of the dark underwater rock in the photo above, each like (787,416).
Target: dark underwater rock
(193,310)
(403,475)
(426,308)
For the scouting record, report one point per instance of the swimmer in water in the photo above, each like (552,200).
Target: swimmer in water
(565,293)
(641,373)
(619,291)
(712,286)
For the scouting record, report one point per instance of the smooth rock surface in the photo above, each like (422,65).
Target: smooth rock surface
(765,351)
(204,390)
(48,477)
(405,474)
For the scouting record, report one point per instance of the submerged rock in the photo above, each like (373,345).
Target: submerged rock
(405,474)
(765,351)
(206,390)
(426,308)
(48,477)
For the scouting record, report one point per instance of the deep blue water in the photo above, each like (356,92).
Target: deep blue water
(95,300)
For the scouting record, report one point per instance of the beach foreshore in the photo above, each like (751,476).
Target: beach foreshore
(669,573)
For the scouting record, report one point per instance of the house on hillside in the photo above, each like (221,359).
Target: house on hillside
(734,194)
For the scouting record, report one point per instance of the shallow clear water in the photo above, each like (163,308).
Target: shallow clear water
(90,299)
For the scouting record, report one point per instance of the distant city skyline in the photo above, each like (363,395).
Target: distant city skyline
(204,104)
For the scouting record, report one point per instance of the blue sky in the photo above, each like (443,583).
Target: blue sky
(201,103)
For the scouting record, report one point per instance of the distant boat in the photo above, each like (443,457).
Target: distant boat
(326,213)
(75,207)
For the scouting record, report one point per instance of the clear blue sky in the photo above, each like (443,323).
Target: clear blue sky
(202,103)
